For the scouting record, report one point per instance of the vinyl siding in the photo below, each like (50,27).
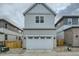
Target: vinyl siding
(39,32)
(68,36)
(30,21)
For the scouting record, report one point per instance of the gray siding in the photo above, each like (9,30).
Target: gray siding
(39,10)
(39,32)
(48,21)
(9,26)
(75,39)
(2,24)
(68,36)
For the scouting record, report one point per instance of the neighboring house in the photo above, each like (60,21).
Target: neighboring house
(68,29)
(39,30)
(9,32)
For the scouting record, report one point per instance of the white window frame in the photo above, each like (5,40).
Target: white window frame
(76,24)
(78,21)
(40,18)
(39,36)
(69,20)
(36,19)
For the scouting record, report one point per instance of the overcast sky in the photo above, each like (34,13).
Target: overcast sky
(14,10)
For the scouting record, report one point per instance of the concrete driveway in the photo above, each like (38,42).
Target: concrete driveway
(59,51)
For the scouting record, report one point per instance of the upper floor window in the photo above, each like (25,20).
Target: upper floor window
(74,21)
(39,19)
(68,21)
(5,25)
(65,21)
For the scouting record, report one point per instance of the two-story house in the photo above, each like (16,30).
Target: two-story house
(39,30)
(10,34)
(68,29)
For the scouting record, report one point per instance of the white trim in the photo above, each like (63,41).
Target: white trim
(9,20)
(69,20)
(58,17)
(64,27)
(6,31)
(78,21)
(52,41)
(34,5)
(39,35)
(39,18)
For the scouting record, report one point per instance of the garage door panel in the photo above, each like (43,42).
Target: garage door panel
(39,43)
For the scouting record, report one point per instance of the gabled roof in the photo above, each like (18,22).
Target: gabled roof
(9,21)
(62,16)
(26,11)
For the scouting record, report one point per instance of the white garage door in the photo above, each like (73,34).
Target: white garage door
(39,42)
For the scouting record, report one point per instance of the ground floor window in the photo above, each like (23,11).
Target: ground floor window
(12,37)
(5,36)
(2,36)
(1,43)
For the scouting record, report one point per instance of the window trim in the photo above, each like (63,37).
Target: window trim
(74,23)
(6,37)
(36,37)
(69,21)
(6,25)
(30,37)
(39,20)
(78,21)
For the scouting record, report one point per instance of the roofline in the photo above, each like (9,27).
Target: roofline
(39,29)
(71,27)
(2,19)
(65,16)
(35,5)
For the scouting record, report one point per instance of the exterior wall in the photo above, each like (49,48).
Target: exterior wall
(48,21)
(2,24)
(11,37)
(39,32)
(39,8)
(9,26)
(60,24)
(68,36)
(39,29)
(72,20)
(2,37)
(75,39)
(10,30)
(6,31)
